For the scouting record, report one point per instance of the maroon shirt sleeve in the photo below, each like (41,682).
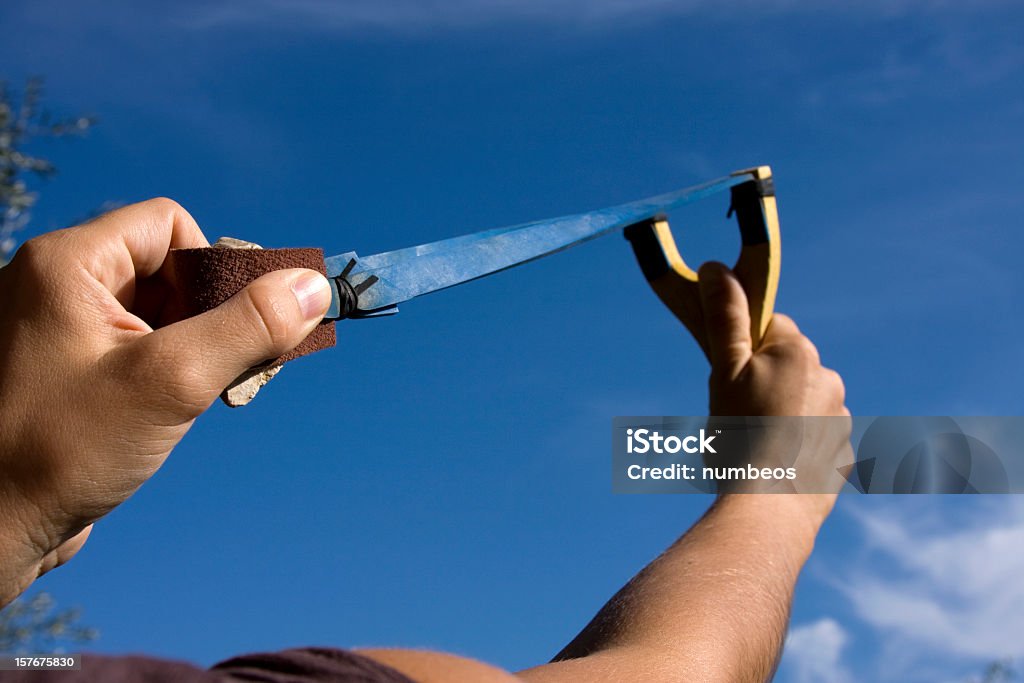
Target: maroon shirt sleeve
(307,665)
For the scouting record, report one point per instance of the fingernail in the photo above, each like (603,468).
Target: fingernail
(313,293)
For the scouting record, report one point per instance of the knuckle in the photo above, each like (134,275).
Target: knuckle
(807,348)
(782,324)
(797,351)
(167,210)
(783,320)
(35,253)
(164,206)
(35,263)
(271,316)
(838,384)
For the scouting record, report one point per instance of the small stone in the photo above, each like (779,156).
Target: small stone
(233,243)
(248,384)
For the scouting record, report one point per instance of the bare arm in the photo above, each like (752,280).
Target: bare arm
(715,605)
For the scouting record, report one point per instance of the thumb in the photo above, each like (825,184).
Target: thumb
(726,319)
(197,357)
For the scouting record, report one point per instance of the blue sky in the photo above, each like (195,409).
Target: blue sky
(441,479)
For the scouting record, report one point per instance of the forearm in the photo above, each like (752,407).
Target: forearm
(714,606)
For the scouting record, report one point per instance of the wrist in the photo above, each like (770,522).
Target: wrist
(794,518)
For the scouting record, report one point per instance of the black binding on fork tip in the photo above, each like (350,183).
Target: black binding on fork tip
(649,254)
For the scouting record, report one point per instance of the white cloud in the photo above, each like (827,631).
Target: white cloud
(814,653)
(936,579)
(945,588)
(415,15)
(418,15)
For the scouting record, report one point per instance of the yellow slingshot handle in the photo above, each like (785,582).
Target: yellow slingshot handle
(757,268)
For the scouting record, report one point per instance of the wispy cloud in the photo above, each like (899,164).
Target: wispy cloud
(420,16)
(943,588)
(414,15)
(935,591)
(438,14)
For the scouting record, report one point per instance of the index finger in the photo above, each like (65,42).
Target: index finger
(132,242)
